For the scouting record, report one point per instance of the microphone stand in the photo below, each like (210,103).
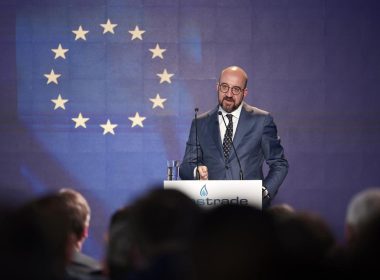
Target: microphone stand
(196,143)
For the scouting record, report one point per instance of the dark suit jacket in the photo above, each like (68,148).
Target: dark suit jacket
(255,140)
(83,267)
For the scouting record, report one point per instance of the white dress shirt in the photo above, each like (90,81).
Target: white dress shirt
(235,120)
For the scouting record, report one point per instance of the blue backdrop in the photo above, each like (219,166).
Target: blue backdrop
(314,64)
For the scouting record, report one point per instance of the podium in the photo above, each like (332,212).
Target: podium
(211,193)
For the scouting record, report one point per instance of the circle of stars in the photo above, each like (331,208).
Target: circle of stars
(81,33)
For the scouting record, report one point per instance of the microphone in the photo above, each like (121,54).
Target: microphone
(196,143)
(233,147)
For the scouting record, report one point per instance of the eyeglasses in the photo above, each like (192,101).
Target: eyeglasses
(223,87)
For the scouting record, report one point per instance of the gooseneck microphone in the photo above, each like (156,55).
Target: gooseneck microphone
(233,147)
(198,177)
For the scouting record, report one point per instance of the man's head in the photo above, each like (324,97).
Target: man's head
(362,210)
(158,224)
(232,88)
(79,212)
(36,241)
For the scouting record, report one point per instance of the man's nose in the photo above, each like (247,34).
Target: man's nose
(229,92)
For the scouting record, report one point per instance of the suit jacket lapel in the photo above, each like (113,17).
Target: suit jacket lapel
(242,127)
(215,131)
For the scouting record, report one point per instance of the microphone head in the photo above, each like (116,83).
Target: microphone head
(219,113)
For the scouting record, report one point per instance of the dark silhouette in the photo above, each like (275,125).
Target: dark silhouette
(152,241)
(362,231)
(305,244)
(234,242)
(35,240)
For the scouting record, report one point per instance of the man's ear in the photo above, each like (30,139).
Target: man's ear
(245,93)
(85,232)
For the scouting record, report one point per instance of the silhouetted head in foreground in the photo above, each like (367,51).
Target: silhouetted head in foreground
(234,242)
(149,238)
(36,240)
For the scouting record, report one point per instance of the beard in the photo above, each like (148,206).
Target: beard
(228,104)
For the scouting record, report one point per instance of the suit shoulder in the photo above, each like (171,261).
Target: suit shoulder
(85,261)
(255,111)
(206,115)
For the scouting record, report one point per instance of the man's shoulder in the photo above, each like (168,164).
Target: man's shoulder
(208,114)
(254,110)
(84,261)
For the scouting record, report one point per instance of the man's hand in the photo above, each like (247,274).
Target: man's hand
(203,172)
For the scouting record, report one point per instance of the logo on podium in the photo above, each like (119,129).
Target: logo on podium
(220,192)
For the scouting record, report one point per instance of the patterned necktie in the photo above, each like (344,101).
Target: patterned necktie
(227,141)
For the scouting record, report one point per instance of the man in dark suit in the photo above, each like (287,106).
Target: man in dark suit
(252,130)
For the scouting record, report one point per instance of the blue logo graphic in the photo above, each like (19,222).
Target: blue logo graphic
(204,191)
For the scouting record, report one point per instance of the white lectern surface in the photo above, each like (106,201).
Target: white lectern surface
(217,192)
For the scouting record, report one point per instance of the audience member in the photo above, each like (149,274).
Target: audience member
(281,211)
(35,240)
(362,232)
(362,210)
(81,265)
(152,241)
(234,242)
(119,258)
(306,242)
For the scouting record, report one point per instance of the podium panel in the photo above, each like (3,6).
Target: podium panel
(212,193)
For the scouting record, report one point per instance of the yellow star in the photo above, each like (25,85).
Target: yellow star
(52,77)
(157,51)
(59,102)
(137,120)
(80,33)
(165,77)
(60,52)
(108,27)
(108,127)
(80,121)
(137,33)
(158,101)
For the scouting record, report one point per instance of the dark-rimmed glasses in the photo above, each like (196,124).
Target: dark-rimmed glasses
(224,88)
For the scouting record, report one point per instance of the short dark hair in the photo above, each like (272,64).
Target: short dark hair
(78,209)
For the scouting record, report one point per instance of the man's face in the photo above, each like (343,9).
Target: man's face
(231,90)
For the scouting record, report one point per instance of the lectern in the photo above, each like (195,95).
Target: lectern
(212,193)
